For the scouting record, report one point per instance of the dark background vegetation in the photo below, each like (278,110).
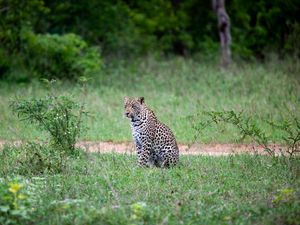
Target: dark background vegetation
(64,39)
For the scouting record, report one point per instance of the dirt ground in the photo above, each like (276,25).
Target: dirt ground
(195,149)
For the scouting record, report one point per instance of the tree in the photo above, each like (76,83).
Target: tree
(224,30)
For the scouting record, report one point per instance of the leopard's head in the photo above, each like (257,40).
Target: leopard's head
(133,107)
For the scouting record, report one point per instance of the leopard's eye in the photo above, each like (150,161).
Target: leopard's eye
(135,107)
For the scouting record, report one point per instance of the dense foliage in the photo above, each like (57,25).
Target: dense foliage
(126,28)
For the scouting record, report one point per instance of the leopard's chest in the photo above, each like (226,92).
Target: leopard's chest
(139,134)
(137,138)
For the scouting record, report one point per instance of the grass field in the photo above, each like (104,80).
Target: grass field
(174,88)
(93,188)
(111,189)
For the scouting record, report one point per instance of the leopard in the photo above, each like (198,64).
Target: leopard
(155,143)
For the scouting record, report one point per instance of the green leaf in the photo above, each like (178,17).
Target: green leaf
(4,208)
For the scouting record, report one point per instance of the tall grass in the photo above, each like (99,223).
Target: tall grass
(175,89)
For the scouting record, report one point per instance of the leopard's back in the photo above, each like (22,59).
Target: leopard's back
(165,145)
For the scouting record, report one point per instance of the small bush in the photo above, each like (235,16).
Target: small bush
(62,119)
(59,56)
(248,127)
(59,116)
(290,134)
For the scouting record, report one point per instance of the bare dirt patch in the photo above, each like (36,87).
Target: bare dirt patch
(195,149)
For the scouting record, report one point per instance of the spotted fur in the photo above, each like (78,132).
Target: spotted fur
(155,142)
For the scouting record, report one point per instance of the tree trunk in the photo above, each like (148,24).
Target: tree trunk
(224,31)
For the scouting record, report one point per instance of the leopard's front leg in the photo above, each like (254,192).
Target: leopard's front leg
(143,152)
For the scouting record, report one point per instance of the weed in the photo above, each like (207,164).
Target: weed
(284,196)
(31,159)
(62,119)
(248,127)
(291,134)
(14,203)
(59,116)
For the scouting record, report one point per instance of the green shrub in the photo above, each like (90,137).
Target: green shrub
(62,119)
(248,127)
(59,56)
(59,116)
(16,16)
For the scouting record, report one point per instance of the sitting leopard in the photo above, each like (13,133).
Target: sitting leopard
(155,142)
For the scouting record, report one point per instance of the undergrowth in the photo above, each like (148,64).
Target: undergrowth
(248,127)
(62,119)
(58,115)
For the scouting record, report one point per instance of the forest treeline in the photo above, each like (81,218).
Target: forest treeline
(65,38)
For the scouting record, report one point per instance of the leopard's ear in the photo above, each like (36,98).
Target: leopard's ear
(141,100)
(126,99)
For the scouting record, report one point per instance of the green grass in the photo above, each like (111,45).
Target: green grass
(174,89)
(111,189)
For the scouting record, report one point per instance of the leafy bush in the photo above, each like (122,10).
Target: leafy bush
(290,134)
(14,204)
(59,56)
(15,17)
(62,119)
(59,116)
